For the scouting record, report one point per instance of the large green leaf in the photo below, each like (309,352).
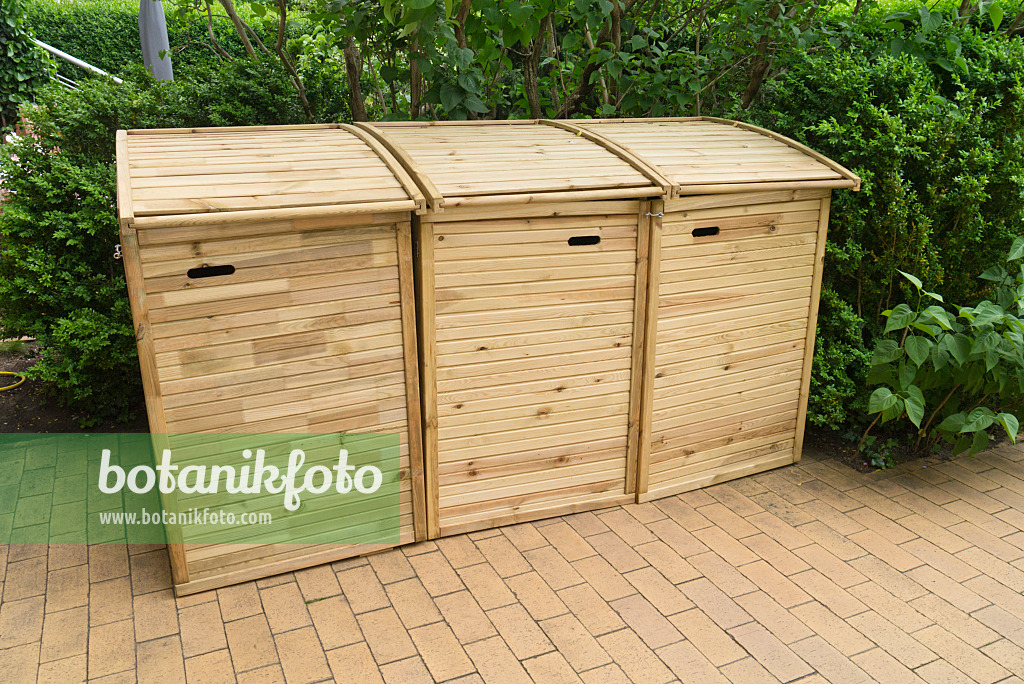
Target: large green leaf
(881,399)
(918,348)
(899,318)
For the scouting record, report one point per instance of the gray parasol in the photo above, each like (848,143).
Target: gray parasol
(153,35)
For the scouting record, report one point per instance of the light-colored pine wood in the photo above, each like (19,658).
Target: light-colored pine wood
(525,377)
(434,199)
(812,318)
(427,320)
(412,377)
(150,378)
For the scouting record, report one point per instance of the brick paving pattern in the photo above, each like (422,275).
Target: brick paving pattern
(809,573)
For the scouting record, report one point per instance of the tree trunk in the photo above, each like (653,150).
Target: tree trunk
(354,71)
(414,80)
(530,76)
(460,23)
(574,100)
(229,7)
(759,68)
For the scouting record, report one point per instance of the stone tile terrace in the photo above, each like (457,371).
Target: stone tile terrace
(809,573)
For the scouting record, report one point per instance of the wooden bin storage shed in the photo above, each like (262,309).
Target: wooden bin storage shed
(271,283)
(609,309)
(735,276)
(576,313)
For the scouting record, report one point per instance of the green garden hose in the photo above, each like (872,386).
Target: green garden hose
(19,382)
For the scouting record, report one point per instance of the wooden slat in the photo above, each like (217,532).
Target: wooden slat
(407,288)
(812,319)
(434,199)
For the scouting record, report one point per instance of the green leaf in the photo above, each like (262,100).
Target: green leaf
(915,410)
(451,96)
(952,423)
(918,348)
(978,419)
(881,399)
(959,347)
(912,278)
(475,104)
(886,351)
(995,12)
(962,444)
(996,274)
(1017,249)
(979,442)
(929,20)
(1010,424)
(899,318)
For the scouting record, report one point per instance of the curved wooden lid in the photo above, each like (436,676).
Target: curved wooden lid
(275,170)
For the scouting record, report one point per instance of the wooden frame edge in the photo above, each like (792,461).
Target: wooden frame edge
(414,415)
(209,218)
(435,200)
(639,164)
(636,384)
(654,226)
(125,207)
(150,377)
(396,168)
(800,147)
(812,328)
(425,300)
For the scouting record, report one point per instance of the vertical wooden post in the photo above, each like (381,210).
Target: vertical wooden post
(144,338)
(654,228)
(428,369)
(812,326)
(636,371)
(414,416)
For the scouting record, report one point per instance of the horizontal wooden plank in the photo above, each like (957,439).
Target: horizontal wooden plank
(271,358)
(732,298)
(516,485)
(725,443)
(280,379)
(683,395)
(698,268)
(463,327)
(695,410)
(257,246)
(694,202)
(734,251)
(733,422)
(478,349)
(389,322)
(472,292)
(541,417)
(596,370)
(766,279)
(228,327)
(576,253)
(345,269)
(457,450)
(514,239)
(274,300)
(500,212)
(684,364)
(301,345)
(549,362)
(370,388)
(621,294)
(729,467)
(751,447)
(520,408)
(696,327)
(620,267)
(159,207)
(530,396)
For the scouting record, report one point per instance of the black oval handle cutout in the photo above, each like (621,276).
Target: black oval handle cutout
(705,232)
(584,240)
(210,271)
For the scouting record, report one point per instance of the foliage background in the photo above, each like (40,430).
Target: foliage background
(924,103)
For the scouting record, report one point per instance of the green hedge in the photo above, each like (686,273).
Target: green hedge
(58,279)
(105,33)
(941,155)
